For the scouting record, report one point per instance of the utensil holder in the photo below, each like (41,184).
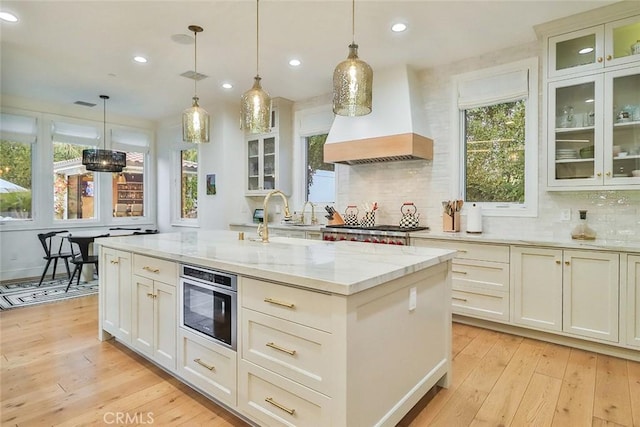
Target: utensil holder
(368,220)
(451,223)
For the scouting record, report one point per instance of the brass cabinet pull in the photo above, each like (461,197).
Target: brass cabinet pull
(462,250)
(609,57)
(276,302)
(459,299)
(282,349)
(599,59)
(149,294)
(457,271)
(114,262)
(608,174)
(558,261)
(151,269)
(567,263)
(599,174)
(280,406)
(201,363)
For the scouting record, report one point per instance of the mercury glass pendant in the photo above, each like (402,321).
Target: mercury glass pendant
(255,104)
(195,120)
(352,82)
(103,160)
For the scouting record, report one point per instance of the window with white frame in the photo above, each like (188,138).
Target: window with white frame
(128,186)
(189,184)
(320,176)
(74,187)
(18,135)
(496,124)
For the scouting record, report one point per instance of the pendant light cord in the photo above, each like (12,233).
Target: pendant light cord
(257,35)
(353,22)
(195,64)
(104,122)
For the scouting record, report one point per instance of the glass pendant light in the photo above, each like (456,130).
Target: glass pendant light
(255,104)
(352,81)
(103,160)
(195,120)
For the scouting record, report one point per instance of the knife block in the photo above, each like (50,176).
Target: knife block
(336,220)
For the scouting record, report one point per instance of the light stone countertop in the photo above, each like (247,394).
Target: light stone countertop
(336,267)
(531,240)
(278,226)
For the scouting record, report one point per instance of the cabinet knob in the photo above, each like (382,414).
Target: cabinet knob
(608,174)
(567,263)
(599,174)
(558,261)
(599,59)
(609,57)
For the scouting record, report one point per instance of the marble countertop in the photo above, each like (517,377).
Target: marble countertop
(279,226)
(532,240)
(337,267)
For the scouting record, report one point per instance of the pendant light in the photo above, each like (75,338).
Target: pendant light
(255,104)
(195,120)
(103,160)
(352,81)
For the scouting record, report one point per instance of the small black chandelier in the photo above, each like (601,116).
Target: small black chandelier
(103,160)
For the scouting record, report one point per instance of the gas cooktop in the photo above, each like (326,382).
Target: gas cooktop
(395,228)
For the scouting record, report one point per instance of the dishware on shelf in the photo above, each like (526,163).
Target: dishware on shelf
(623,154)
(616,150)
(587,152)
(635,173)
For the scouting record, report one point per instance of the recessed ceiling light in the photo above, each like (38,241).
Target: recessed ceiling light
(398,27)
(9,17)
(295,62)
(585,50)
(140,59)
(227,85)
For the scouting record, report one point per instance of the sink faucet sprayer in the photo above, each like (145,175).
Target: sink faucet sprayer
(314,220)
(263,228)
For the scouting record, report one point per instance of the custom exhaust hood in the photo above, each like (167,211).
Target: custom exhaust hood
(393,131)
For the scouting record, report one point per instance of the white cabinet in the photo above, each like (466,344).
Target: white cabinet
(115,287)
(572,291)
(594,48)
(154,319)
(269,156)
(633,300)
(480,278)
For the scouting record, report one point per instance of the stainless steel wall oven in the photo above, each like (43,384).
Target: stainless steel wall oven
(208,303)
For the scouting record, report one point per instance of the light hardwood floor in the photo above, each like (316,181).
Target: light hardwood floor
(54,371)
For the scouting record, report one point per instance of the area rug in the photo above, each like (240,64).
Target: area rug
(26,293)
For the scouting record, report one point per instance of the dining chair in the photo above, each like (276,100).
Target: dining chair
(126,228)
(52,254)
(83,256)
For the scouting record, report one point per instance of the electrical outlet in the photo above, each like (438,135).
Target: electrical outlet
(412,299)
(565,214)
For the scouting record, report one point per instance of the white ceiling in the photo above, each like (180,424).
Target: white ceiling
(66,51)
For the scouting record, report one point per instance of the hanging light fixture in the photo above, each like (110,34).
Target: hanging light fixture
(255,103)
(103,160)
(352,80)
(195,120)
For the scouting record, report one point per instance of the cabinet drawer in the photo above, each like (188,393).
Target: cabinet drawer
(476,251)
(480,275)
(208,366)
(297,305)
(155,269)
(292,350)
(487,305)
(275,401)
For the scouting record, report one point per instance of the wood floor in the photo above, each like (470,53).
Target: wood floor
(54,371)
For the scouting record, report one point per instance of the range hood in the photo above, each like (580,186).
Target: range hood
(393,131)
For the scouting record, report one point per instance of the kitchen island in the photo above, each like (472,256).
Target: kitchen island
(328,334)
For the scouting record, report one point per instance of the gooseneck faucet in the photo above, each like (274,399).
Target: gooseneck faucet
(263,228)
(314,220)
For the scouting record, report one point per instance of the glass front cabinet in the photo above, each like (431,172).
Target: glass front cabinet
(268,156)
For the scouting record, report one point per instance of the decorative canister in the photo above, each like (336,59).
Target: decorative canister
(635,48)
(368,220)
(410,217)
(351,215)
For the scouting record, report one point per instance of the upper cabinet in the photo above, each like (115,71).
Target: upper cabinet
(269,155)
(593,108)
(594,48)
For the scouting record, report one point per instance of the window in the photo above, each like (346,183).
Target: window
(17,138)
(128,187)
(73,186)
(189,183)
(320,176)
(497,122)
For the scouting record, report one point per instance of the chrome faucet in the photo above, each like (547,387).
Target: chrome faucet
(263,228)
(314,220)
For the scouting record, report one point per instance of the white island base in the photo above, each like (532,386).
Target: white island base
(317,357)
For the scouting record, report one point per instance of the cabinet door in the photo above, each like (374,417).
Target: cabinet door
(577,51)
(633,300)
(590,294)
(537,287)
(622,127)
(143,316)
(620,39)
(575,132)
(165,324)
(115,277)
(254,165)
